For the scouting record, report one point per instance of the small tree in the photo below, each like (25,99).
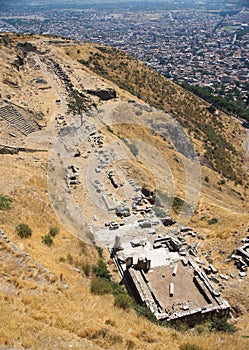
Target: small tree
(48,240)
(77,103)
(23,230)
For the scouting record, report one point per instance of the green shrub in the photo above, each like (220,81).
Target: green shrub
(237,192)
(221,182)
(5,202)
(100,286)
(178,204)
(23,231)
(101,270)
(159,212)
(123,301)
(100,251)
(212,221)
(48,240)
(144,311)
(117,288)
(109,129)
(53,231)
(189,346)
(221,325)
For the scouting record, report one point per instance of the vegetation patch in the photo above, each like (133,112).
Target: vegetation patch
(47,240)
(145,312)
(5,202)
(53,231)
(99,250)
(101,270)
(224,103)
(23,231)
(212,221)
(163,199)
(123,300)
(159,212)
(101,286)
(222,325)
(77,102)
(177,204)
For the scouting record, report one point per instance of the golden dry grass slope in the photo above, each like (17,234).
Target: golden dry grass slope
(45,298)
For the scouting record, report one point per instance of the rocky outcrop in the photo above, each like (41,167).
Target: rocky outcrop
(27,47)
(104,94)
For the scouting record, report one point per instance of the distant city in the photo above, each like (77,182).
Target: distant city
(205,45)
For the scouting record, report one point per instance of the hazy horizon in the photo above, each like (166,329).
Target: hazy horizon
(33,5)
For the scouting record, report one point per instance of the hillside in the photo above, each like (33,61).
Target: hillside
(207,128)
(46,299)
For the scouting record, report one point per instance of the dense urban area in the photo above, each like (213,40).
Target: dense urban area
(203,47)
